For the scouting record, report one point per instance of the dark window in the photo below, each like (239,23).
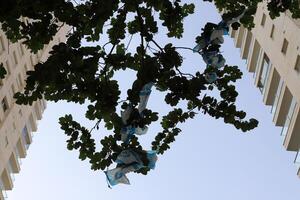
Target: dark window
(285,45)
(15,57)
(2,47)
(297,65)
(263,20)
(272,31)
(4,104)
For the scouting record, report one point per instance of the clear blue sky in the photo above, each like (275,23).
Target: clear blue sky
(209,160)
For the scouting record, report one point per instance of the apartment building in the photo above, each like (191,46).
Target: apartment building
(17,123)
(272,51)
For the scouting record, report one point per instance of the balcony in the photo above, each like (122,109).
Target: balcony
(289,117)
(292,128)
(240,36)
(1,195)
(274,91)
(21,148)
(6,180)
(282,106)
(2,190)
(14,163)
(37,109)
(32,123)
(245,49)
(256,50)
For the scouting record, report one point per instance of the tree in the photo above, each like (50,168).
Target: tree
(84,74)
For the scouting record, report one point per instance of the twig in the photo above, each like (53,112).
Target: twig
(161,49)
(187,48)
(96,125)
(129,42)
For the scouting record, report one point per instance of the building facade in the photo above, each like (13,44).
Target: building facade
(272,51)
(17,123)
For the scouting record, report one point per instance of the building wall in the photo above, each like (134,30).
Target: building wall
(17,123)
(272,51)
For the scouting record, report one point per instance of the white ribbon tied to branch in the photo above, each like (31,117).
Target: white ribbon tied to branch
(213,58)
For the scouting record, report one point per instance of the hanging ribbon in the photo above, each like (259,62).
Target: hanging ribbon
(129,161)
(129,130)
(212,57)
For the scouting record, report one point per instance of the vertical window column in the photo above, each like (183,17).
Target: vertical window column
(264,74)
(277,96)
(289,117)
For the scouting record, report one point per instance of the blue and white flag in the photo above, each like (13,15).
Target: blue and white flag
(129,161)
(144,96)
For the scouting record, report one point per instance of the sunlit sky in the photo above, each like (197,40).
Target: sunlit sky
(209,160)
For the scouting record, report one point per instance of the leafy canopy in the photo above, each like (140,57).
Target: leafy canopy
(84,74)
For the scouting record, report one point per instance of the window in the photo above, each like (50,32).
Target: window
(4,104)
(25,137)
(284,46)
(2,47)
(15,57)
(297,65)
(263,20)
(6,141)
(264,73)
(20,113)
(272,31)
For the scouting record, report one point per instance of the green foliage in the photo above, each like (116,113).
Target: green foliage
(84,74)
